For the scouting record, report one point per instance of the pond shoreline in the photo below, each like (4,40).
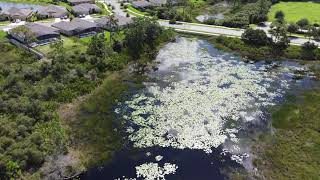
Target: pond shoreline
(86,172)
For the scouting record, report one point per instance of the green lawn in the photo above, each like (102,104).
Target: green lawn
(2,35)
(136,11)
(198,3)
(70,43)
(86,40)
(295,11)
(105,10)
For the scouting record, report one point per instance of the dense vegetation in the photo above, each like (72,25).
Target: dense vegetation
(250,13)
(241,14)
(253,52)
(32,91)
(292,151)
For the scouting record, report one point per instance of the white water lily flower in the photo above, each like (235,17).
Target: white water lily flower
(152,171)
(159,158)
(203,94)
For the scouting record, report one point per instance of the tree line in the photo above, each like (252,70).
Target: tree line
(31,91)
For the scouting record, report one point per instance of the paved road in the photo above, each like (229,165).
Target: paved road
(217,30)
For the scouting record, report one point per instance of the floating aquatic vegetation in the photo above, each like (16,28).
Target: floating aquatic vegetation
(125,178)
(203,93)
(159,158)
(152,171)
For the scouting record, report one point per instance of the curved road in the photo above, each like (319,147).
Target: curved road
(218,30)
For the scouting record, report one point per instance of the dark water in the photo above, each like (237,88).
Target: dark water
(193,164)
(7,5)
(196,164)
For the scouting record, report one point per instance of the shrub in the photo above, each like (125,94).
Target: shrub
(210,21)
(309,50)
(303,23)
(279,15)
(292,28)
(255,37)
(172,21)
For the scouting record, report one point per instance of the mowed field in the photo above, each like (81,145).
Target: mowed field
(295,11)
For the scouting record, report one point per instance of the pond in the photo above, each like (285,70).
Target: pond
(198,114)
(205,17)
(7,5)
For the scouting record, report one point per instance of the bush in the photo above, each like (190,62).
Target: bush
(210,21)
(255,37)
(303,23)
(309,50)
(172,21)
(279,15)
(250,13)
(292,28)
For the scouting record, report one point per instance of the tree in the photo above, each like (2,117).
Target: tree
(142,34)
(152,32)
(303,23)
(279,16)
(279,36)
(315,33)
(98,46)
(13,170)
(113,24)
(255,37)
(58,53)
(263,9)
(24,33)
(308,50)
(292,28)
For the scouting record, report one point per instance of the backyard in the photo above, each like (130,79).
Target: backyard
(295,11)
(72,44)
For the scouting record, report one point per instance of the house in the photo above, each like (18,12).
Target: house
(120,22)
(77,27)
(77,2)
(85,9)
(42,34)
(158,3)
(141,4)
(17,14)
(52,11)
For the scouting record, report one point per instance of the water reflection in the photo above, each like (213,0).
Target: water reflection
(199,111)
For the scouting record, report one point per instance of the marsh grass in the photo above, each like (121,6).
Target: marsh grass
(293,150)
(93,129)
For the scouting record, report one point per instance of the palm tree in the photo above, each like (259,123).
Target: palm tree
(113,24)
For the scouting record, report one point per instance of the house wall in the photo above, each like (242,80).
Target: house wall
(82,2)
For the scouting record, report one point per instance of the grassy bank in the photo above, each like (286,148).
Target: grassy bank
(91,124)
(250,52)
(292,151)
(295,11)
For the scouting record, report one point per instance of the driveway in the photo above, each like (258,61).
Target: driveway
(116,4)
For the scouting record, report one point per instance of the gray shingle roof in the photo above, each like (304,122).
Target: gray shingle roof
(41,30)
(75,25)
(141,4)
(85,8)
(13,11)
(52,10)
(158,2)
(80,1)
